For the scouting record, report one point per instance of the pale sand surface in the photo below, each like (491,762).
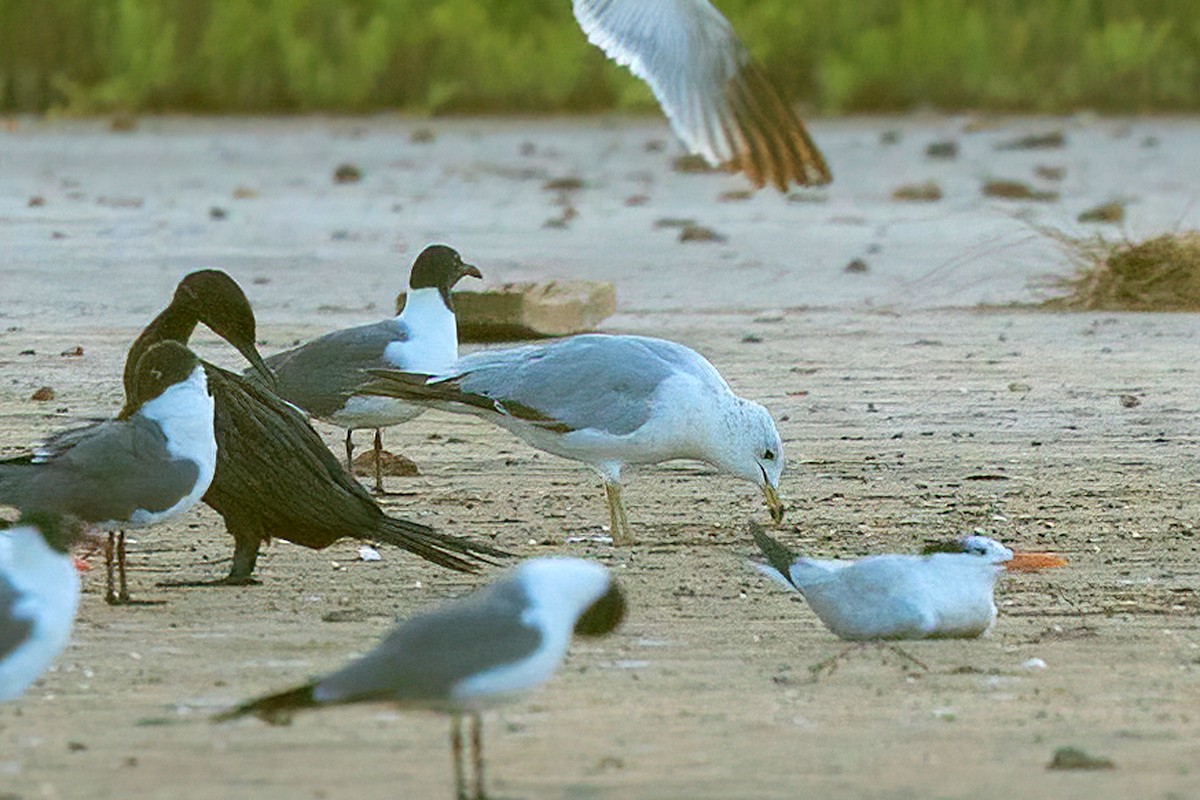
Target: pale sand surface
(905,412)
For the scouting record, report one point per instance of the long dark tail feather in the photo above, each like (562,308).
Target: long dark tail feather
(276,709)
(443,549)
(779,557)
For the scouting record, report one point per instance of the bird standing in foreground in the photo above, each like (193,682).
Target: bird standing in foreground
(715,95)
(470,654)
(152,462)
(275,478)
(39,592)
(321,376)
(608,401)
(944,593)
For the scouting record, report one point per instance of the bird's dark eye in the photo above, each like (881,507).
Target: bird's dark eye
(769,455)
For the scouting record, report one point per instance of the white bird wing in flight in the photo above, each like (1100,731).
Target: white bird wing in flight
(717,98)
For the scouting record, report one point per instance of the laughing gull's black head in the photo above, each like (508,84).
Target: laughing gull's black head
(60,531)
(604,615)
(212,297)
(163,365)
(440,267)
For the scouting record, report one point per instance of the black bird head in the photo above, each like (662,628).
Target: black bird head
(163,365)
(604,615)
(440,267)
(212,297)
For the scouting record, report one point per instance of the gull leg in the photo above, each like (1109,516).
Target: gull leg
(110,548)
(830,665)
(456,753)
(477,755)
(904,654)
(618,522)
(123,593)
(350,450)
(379,462)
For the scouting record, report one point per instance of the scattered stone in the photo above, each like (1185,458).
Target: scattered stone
(260,280)
(1074,758)
(674,222)
(635,200)
(692,164)
(945,150)
(1038,141)
(1112,213)
(809,196)
(216,212)
(347,173)
(43,394)
(28,353)
(57,235)
(244,193)
(74,352)
(389,464)
(422,136)
(562,220)
(345,615)
(36,201)
(1129,401)
(1016,190)
(928,192)
(563,185)
(531,310)
(368,553)
(890,136)
(1033,664)
(1017,386)
(699,233)
(752,338)
(857,266)
(123,122)
(735,195)
(1048,173)
(1150,142)
(654,146)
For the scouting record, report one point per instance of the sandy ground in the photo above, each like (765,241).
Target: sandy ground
(906,413)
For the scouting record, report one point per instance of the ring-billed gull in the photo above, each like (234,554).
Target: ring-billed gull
(470,654)
(321,376)
(609,401)
(716,96)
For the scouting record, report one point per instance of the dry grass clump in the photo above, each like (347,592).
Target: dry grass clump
(1159,274)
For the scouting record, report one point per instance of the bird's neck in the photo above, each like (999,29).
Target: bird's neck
(172,324)
(432,345)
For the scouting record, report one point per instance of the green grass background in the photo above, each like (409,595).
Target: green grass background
(440,56)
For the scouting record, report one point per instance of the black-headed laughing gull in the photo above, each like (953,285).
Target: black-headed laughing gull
(321,376)
(470,654)
(275,477)
(716,96)
(153,461)
(609,401)
(39,592)
(943,593)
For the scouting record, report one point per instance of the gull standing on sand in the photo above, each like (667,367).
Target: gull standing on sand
(945,593)
(471,654)
(320,377)
(715,95)
(152,462)
(609,401)
(39,592)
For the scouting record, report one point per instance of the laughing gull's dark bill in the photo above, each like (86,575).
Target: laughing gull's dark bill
(609,401)
(322,376)
(943,593)
(716,96)
(275,478)
(472,653)
(39,592)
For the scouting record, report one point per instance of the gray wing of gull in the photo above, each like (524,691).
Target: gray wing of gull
(427,656)
(320,375)
(717,98)
(14,630)
(603,383)
(104,474)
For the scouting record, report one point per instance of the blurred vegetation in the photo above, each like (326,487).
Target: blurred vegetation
(91,56)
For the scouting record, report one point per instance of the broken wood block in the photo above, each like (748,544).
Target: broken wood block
(531,310)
